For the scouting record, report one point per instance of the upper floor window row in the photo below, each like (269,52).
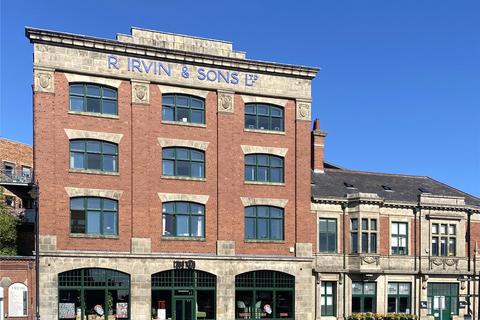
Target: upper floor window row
(183,162)
(93,155)
(93,98)
(264,117)
(444,239)
(263,167)
(93,215)
(183,108)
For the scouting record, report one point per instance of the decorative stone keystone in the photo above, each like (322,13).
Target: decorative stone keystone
(304,110)
(140,92)
(225,101)
(141,245)
(225,248)
(303,250)
(44,80)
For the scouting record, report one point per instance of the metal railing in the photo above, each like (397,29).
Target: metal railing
(15,176)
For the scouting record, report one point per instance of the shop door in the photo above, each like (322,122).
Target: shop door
(183,309)
(441,307)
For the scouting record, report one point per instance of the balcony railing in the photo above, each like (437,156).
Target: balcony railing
(15,176)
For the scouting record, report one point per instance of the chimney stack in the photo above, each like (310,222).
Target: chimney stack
(318,147)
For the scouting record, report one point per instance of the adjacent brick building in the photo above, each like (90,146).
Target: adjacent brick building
(17,273)
(181,180)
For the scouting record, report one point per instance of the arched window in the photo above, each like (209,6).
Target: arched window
(92,215)
(93,293)
(183,294)
(17,300)
(93,155)
(183,219)
(263,117)
(263,167)
(264,294)
(183,162)
(93,98)
(264,223)
(183,108)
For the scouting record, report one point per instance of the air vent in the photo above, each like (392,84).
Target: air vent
(423,190)
(348,185)
(387,188)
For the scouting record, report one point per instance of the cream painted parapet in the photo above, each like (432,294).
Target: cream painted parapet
(198,198)
(304,109)
(167,142)
(140,92)
(163,65)
(282,152)
(281,203)
(268,100)
(87,192)
(83,134)
(164,89)
(44,80)
(72,77)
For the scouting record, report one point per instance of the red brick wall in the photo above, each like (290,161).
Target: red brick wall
(140,173)
(19,271)
(19,155)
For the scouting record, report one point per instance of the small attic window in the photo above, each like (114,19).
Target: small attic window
(387,188)
(348,185)
(423,190)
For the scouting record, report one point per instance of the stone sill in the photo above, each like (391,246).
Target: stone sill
(93,236)
(266,183)
(184,178)
(264,131)
(182,238)
(93,114)
(264,241)
(86,171)
(188,124)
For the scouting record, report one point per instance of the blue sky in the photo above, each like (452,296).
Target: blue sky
(399,89)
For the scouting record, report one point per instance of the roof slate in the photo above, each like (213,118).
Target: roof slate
(332,184)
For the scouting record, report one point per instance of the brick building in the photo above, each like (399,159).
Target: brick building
(17,273)
(181,180)
(148,176)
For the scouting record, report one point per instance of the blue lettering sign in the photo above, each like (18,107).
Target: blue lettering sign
(161,68)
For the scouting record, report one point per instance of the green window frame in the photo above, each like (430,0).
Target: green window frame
(265,294)
(89,154)
(327,235)
(264,168)
(328,298)
(444,239)
(183,108)
(448,290)
(93,98)
(93,215)
(364,297)
(363,235)
(107,288)
(263,116)
(264,223)
(183,162)
(399,297)
(183,219)
(195,285)
(399,238)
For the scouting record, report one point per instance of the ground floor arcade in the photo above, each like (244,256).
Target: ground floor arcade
(180,288)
